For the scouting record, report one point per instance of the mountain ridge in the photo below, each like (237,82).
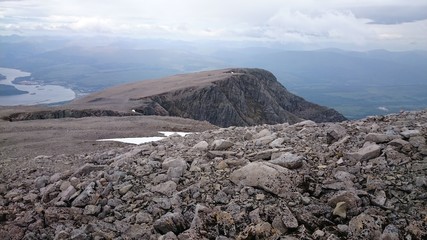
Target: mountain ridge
(226,97)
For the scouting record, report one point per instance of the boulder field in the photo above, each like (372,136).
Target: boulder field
(362,179)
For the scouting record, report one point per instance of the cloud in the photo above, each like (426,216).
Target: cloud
(361,23)
(93,24)
(392,14)
(329,25)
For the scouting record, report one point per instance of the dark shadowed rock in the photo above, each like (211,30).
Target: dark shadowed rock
(171,222)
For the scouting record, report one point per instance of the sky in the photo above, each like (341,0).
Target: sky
(355,24)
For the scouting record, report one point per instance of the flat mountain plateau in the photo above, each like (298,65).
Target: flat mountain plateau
(24,140)
(363,179)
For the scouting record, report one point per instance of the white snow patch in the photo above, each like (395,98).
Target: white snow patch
(143,140)
(182,134)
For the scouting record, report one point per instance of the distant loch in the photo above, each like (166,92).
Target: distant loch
(36,94)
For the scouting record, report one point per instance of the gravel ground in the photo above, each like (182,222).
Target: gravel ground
(21,142)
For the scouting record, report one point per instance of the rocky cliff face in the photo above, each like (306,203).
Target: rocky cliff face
(351,180)
(244,97)
(231,97)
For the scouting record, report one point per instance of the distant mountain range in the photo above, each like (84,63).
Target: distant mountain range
(355,83)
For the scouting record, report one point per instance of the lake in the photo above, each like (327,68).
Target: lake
(37,94)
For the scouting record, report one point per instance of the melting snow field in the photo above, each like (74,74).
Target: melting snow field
(142,140)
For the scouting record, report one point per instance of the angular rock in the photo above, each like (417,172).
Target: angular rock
(13,193)
(349,197)
(380,198)
(124,189)
(379,138)
(67,193)
(167,188)
(400,144)
(88,196)
(262,133)
(367,152)
(277,142)
(3,188)
(319,234)
(261,230)
(262,155)
(221,144)
(143,217)
(221,197)
(171,222)
(225,223)
(201,215)
(88,168)
(289,219)
(417,141)
(269,177)
(174,162)
(288,160)
(306,123)
(391,232)
(421,181)
(168,236)
(265,140)
(92,210)
(41,182)
(344,176)
(340,209)
(410,133)
(175,173)
(202,146)
(30,198)
(223,154)
(335,132)
(364,226)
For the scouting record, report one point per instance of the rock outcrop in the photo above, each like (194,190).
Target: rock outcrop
(367,182)
(230,97)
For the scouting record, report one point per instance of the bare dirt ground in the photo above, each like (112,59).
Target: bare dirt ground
(56,144)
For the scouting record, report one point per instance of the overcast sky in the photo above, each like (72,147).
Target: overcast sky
(358,24)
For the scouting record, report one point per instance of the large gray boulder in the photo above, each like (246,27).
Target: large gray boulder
(267,176)
(367,152)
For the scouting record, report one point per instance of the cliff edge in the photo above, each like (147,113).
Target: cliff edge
(228,97)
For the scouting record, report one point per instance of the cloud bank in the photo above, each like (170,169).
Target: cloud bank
(391,24)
